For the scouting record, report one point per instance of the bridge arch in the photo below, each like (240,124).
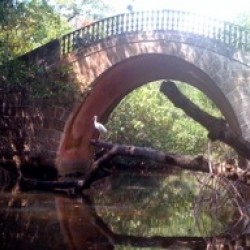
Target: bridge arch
(113,68)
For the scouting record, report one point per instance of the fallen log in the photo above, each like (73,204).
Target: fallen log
(197,163)
(100,168)
(227,169)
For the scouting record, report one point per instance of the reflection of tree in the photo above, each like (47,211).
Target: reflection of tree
(30,219)
(92,231)
(105,238)
(149,205)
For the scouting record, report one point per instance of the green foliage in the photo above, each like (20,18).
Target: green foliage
(27,25)
(147,118)
(39,83)
(81,9)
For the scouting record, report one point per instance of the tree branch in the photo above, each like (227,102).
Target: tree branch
(218,128)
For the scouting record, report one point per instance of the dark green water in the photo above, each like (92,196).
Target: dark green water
(126,211)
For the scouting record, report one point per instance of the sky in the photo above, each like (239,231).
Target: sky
(226,10)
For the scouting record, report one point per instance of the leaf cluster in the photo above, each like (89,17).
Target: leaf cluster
(27,25)
(73,10)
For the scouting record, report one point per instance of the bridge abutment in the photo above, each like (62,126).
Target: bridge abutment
(30,130)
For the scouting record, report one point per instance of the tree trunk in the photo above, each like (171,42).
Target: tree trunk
(218,128)
(192,163)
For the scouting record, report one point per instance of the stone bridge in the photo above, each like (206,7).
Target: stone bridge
(114,56)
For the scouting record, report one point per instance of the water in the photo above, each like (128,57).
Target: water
(145,210)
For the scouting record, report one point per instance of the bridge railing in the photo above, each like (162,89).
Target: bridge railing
(160,20)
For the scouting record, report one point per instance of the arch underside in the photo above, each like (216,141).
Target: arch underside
(113,85)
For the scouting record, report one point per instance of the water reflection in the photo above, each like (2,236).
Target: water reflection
(149,204)
(130,211)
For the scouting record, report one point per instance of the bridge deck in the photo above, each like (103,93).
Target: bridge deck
(160,20)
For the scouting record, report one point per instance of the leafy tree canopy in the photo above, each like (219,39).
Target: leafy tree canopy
(80,10)
(27,25)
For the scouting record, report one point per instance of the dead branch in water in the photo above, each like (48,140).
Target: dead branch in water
(187,162)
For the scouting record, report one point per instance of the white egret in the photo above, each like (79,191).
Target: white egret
(98,126)
(209,156)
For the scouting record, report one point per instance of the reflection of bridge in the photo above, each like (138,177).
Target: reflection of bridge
(112,57)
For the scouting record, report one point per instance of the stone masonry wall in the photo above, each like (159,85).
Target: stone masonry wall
(29,129)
